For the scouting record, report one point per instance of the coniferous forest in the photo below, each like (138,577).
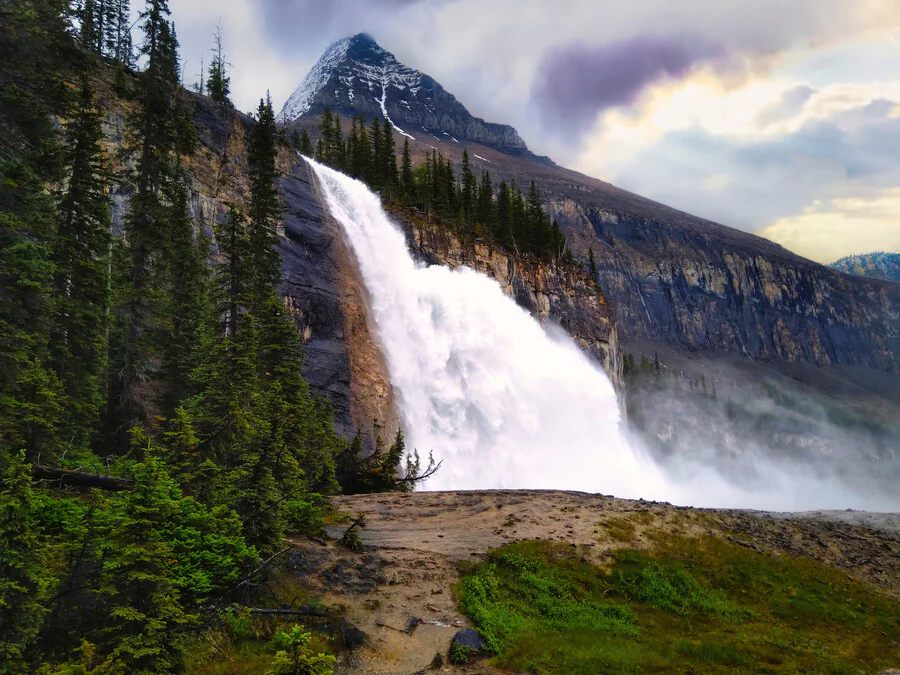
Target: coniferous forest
(157,437)
(469,205)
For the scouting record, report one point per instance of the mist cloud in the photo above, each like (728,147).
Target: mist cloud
(575,83)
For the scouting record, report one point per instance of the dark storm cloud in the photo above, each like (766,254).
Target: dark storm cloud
(574,83)
(792,101)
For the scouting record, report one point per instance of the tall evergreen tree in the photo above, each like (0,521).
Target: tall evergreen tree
(147,617)
(391,178)
(407,179)
(485,212)
(218,85)
(468,193)
(36,52)
(23,574)
(592,264)
(81,279)
(305,144)
(158,133)
(264,209)
(376,176)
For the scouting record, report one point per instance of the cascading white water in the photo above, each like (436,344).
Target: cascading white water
(505,405)
(480,383)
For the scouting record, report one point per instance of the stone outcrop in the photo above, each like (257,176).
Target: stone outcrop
(685,287)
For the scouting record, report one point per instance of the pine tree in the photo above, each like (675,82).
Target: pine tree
(147,617)
(376,176)
(468,193)
(157,134)
(391,179)
(190,306)
(264,209)
(505,230)
(485,211)
(305,144)
(326,132)
(218,84)
(81,280)
(407,180)
(124,50)
(36,54)
(24,578)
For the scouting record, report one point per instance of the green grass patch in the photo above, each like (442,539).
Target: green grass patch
(690,604)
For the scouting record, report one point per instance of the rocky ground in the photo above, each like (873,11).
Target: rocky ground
(399,588)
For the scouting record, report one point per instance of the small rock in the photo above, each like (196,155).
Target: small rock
(351,636)
(468,637)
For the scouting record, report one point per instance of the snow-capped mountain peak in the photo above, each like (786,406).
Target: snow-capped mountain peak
(356,75)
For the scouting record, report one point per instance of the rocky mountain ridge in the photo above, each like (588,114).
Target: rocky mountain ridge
(355,75)
(682,282)
(872,265)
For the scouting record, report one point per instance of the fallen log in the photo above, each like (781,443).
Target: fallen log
(68,478)
(300,611)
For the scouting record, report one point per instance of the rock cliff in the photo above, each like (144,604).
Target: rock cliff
(355,75)
(686,287)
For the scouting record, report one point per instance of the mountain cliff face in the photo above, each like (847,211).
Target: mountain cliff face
(685,287)
(355,75)
(674,281)
(873,265)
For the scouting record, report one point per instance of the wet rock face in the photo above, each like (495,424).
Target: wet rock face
(553,295)
(683,288)
(322,287)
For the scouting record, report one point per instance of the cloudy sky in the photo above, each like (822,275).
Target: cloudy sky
(780,117)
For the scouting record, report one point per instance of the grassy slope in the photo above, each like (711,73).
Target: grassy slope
(686,604)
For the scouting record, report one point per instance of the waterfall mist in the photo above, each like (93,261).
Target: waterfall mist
(505,404)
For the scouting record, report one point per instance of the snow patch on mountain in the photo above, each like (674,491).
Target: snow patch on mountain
(301,100)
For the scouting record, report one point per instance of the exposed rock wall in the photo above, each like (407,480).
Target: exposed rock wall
(681,287)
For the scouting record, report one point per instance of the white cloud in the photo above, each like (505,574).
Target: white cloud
(828,231)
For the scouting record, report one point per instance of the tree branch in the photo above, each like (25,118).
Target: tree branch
(81,479)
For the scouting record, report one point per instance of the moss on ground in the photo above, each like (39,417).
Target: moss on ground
(689,604)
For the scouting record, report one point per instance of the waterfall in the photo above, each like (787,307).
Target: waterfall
(503,403)
(480,383)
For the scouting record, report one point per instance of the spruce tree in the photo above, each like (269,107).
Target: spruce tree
(407,180)
(305,144)
(505,226)
(147,618)
(24,578)
(468,193)
(81,279)
(264,209)
(218,85)
(391,178)
(189,304)
(486,216)
(157,137)
(36,53)
(377,173)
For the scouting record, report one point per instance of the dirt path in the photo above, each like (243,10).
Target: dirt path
(399,589)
